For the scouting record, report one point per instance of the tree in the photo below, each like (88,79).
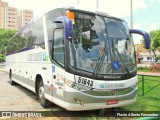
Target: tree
(1,58)
(155,40)
(152,34)
(4,37)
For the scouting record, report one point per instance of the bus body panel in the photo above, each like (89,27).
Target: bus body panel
(23,68)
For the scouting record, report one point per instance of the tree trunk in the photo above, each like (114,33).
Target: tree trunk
(154,53)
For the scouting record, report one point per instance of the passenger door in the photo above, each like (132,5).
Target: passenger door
(58,57)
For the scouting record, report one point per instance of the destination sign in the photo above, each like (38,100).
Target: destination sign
(86,16)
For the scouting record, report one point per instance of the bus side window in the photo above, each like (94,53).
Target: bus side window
(15,44)
(58,46)
(34,35)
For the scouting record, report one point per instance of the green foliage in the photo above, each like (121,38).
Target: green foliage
(150,101)
(1,57)
(155,39)
(16,43)
(4,37)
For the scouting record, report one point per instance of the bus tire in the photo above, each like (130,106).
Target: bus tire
(44,102)
(10,78)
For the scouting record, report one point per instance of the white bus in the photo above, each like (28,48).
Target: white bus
(77,59)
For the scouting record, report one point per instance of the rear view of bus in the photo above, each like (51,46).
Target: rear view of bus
(101,57)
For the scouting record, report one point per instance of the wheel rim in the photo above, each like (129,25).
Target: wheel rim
(41,94)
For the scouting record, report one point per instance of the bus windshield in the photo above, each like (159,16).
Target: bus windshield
(101,44)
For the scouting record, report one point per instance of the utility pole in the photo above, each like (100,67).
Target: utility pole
(131,14)
(78,2)
(97,3)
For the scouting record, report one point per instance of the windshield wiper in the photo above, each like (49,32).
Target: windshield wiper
(121,59)
(100,62)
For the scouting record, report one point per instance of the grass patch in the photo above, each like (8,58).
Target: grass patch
(150,101)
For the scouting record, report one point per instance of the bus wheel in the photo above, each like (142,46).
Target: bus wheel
(44,103)
(10,78)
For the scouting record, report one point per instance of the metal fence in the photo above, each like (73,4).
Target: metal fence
(145,83)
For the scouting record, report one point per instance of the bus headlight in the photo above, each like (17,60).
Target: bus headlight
(77,86)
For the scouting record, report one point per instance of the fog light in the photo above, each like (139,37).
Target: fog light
(80,102)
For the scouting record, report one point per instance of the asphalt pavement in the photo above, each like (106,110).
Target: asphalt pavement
(16,97)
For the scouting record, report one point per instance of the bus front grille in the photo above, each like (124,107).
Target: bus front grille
(114,92)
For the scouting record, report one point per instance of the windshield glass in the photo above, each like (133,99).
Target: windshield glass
(101,45)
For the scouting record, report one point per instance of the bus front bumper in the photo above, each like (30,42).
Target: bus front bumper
(78,101)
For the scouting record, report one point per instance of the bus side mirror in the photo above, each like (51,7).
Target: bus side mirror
(144,34)
(67,24)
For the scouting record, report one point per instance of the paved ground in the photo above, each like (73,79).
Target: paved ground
(16,97)
(149,73)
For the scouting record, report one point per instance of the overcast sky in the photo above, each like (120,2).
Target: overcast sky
(145,12)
